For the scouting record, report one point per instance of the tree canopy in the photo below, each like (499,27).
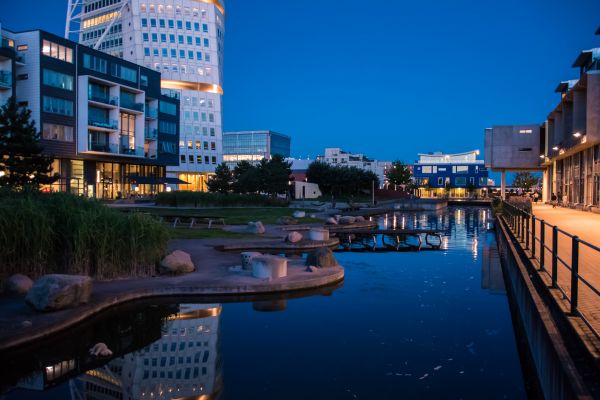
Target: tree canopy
(222,180)
(525,180)
(399,174)
(338,180)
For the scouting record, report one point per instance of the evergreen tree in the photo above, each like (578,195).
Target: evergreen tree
(246,178)
(22,164)
(276,175)
(221,181)
(399,174)
(525,180)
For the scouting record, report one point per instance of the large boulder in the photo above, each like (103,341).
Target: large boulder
(247,257)
(299,214)
(321,258)
(318,234)
(347,220)
(293,237)
(255,227)
(178,262)
(359,218)
(18,284)
(269,267)
(56,292)
(331,221)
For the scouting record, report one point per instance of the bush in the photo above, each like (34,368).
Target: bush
(521,202)
(61,233)
(201,199)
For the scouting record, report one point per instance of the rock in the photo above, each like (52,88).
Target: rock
(26,324)
(18,284)
(310,268)
(178,262)
(269,267)
(321,258)
(331,221)
(255,227)
(293,237)
(247,257)
(100,350)
(347,220)
(299,214)
(318,234)
(287,221)
(359,219)
(56,292)
(313,216)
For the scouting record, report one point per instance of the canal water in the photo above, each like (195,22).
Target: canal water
(410,325)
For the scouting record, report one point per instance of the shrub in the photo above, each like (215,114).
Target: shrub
(201,199)
(61,233)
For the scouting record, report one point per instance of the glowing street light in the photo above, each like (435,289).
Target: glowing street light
(555,148)
(577,134)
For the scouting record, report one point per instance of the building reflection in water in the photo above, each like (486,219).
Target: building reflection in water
(183,364)
(491,269)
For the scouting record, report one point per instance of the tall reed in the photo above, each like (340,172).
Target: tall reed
(61,233)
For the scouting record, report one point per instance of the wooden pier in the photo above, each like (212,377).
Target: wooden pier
(394,239)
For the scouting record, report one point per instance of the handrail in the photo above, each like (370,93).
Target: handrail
(523,225)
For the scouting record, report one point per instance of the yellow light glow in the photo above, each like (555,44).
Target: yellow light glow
(216,3)
(185,85)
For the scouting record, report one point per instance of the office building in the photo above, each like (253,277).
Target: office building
(104,120)
(254,146)
(339,157)
(454,175)
(181,39)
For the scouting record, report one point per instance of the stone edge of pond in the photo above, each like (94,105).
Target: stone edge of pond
(305,245)
(19,337)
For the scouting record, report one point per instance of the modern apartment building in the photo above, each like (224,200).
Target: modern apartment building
(181,39)
(104,119)
(456,175)
(254,146)
(339,157)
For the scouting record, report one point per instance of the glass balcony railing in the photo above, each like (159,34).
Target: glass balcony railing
(130,149)
(151,133)
(6,78)
(151,112)
(132,105)
(104,147)
(106,124)
(102,98)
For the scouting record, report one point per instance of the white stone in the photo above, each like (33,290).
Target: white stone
(318,234)
(55,292)
(359,219)
(299,214)
(247,257)
(347,220)
(18,284)
(293,237)
(255,227)
(178,262)
(269,267)
(331,221)
(101,350)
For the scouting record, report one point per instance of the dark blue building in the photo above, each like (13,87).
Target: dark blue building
(456,175)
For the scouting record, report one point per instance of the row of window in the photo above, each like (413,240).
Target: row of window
(99,4)
(108,44)
(117,28)
(58,106)
(171,38)
(188,130)
(168,108)
(458,181)
(99,64)
(168,9)
(193,101)
(190,158)
(202,71)
(57,132)
(162,23)
(190,145)
(189,116)
(100,19)
(456,169)
(58,79)
(167,127)
(57,51)
(164,52)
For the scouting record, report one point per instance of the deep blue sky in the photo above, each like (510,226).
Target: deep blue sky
(389,80)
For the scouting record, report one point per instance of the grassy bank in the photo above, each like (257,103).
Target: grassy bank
(60,233)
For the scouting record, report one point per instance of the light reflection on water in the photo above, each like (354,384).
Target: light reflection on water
(429,324)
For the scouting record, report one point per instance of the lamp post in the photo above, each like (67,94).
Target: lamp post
(373,193)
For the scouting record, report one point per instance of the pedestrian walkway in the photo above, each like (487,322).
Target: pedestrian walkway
(586,226)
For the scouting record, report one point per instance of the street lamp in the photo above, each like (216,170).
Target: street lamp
(577,134)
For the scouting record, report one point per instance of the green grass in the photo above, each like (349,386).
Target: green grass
(233,216)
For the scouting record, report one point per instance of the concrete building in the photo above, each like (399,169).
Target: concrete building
(104,119)
(455,175)
(182,39)
(339,157)
(254,146)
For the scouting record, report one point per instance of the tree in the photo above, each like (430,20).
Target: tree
(246,178)
(275,175)
(221,181)
(22,164)
(399,174)
(525,180)
(337,180)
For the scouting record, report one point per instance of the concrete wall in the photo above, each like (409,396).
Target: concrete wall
(593,106)
(513,147)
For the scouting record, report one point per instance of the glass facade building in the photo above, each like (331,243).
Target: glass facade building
(254,146)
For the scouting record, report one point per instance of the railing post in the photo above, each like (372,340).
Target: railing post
(533,236)
(542,243)
(554,256)
(522,225)
(574,274)
(526,230)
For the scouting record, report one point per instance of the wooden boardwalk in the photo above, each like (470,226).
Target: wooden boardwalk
(586,226)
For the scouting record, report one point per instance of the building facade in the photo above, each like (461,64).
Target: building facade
(254,146)
(181,39)
(104,120)
(454,175)
(339,157)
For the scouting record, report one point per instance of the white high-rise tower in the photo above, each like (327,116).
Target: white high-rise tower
(183,39)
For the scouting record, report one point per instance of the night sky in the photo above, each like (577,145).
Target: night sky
(389,80)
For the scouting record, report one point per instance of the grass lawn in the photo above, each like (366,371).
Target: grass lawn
(233,216)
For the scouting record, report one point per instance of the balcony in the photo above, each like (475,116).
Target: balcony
(5,79)
(103,147)
(150,133)
(130,105)
(130,150)
(104,99)
(151,113)
(112,124)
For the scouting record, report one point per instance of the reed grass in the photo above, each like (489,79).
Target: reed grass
(61,233)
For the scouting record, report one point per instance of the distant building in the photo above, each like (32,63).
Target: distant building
(339,157)
(456,175)
(254,146)
(103,119)
(299,168)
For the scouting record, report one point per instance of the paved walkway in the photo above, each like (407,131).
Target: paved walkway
(586,225)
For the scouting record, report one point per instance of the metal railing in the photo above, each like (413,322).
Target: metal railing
(531,231)
(6,78)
